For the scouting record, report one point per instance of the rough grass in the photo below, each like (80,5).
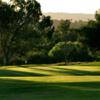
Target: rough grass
(50,82)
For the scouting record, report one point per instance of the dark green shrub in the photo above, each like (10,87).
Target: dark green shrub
(73,51)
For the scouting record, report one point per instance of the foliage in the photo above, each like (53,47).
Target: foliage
(92,33)
(63,28)
(74,51)
(14,17)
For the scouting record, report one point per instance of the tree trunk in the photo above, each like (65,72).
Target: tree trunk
(65,53)
(5,60)
(65,60)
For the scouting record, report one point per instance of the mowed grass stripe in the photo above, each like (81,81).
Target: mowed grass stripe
(56,79)
(49,70)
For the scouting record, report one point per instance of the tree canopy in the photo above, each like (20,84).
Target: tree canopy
(14,17)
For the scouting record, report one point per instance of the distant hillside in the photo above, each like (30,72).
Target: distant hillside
(74,17)
(74,25)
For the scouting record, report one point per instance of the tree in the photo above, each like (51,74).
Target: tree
(63,29)
(74,51)
(92,33)
(44,42)
(14,17)
(46,29)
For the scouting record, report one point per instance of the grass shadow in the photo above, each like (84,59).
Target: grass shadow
(68,71)
(80,64)
(35,65)
(27,90)
(78,72)
(19,73)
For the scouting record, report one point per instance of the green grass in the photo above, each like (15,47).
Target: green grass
(50,82)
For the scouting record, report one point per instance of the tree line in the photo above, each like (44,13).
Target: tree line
(28,36)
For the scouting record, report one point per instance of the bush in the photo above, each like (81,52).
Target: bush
(57,51)
(73,51)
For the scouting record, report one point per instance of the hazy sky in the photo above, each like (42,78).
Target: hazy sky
(70,6)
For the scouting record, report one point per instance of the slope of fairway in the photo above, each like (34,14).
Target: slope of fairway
(50,82)
(51,70)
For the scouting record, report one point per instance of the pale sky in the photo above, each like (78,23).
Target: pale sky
(69,6)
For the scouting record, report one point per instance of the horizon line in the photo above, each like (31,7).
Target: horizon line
(71,13)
